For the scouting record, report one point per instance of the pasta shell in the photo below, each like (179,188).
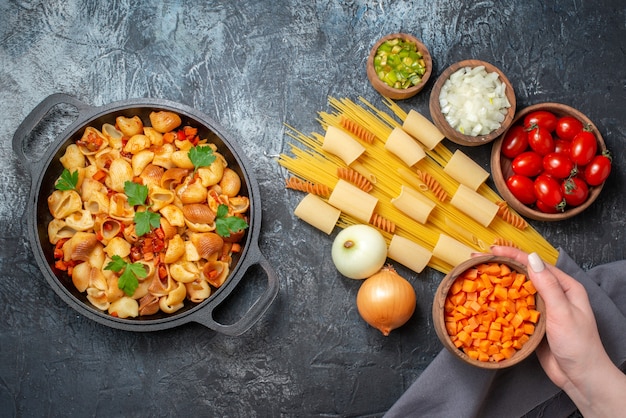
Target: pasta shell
(73,159)
(58,230)
(175,249)
(162,286)
(163,156)
(173,214)
(98,298)
(207,243)
(239,204)
(173,177)
(129,126)
(129,233)
(117,246)
(137,143)
(63,203)
(230,182)
(151,174)
(113,135)
(174,300)
(97,204)
(109,229)
(198,290)
(215,272)
(105,157)
(81,220)
(124,307)
(184,271)
(80,276)
(90,187)
(168,229)
(148,305)
(160,197)
(212,174)
(120,171)
(164,121)
(140,161)
(198,213)
(120,209)
(92,141)
(155,137)
(181,159)
(191,192)
(80,246)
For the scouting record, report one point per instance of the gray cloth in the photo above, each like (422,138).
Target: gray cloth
(451,388)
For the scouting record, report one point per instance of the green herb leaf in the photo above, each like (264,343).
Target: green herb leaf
(129,279)
(67,181)
(225,225)
(136,193)
(146,220)
(116,264)
(201,156)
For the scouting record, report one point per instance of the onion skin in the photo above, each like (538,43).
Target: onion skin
(386,300)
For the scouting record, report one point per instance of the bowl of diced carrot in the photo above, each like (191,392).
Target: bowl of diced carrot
(487,312)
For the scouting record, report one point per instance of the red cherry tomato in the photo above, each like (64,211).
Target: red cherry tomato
(540,140)
(528,164)
(598,170)
(548,190)
(558,165)
(584,147)
(542,118)
(545,208)
(515,141)
(522,188)
(562,146)
(575,191)
(567,127)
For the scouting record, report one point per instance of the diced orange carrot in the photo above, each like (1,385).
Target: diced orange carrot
(468,285)
(490,311)
(528,285)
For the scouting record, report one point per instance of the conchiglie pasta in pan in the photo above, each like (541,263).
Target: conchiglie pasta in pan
(144,216)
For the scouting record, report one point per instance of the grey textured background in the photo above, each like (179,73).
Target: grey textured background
(255,66)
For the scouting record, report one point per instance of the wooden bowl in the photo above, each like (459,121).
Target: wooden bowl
(440,327)
(382,87)
(439,118)
(501,165)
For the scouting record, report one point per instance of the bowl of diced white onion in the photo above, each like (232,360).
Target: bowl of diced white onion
(472,102)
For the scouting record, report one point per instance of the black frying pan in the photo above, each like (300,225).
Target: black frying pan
(46,169)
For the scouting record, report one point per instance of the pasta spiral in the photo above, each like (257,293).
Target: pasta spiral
(512,218)
(351,175)
(504,242)
(433,185)
(357,130)
(383,223)
(318,189)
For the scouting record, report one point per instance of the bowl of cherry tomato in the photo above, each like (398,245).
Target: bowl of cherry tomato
(551,163)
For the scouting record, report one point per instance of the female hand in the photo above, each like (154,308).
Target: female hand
(572,355)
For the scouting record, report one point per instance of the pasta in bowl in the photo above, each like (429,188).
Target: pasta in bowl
(146,216)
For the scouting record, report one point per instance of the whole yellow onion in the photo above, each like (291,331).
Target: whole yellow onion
(386,300)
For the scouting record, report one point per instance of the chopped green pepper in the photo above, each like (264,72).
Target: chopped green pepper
(399,64)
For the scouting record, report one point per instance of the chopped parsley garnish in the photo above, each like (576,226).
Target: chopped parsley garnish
(67,181)
(131,273)
(144,220)
(136,193)
(201,156)
(225,225)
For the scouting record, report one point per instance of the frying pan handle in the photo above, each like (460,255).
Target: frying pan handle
(34,118)
(256,310)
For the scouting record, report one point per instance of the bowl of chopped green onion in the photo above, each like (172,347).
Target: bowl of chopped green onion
(398,66)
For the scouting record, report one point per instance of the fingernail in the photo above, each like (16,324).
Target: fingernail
(535,262)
